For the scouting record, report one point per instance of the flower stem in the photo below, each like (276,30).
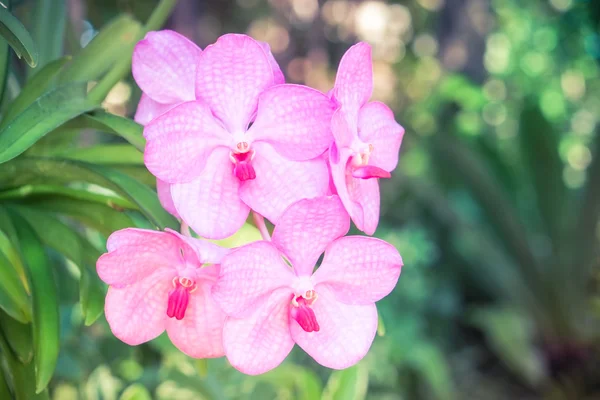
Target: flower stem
(156,20)
(259,221)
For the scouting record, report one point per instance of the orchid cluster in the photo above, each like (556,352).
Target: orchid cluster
(226,136)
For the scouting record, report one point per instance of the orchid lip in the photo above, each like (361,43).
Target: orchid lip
(179,297)
(242,162)
(303,313)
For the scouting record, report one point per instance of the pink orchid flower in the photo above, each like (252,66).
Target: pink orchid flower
(245,143)
(164,67)
(329,313)
(157,282)
(367,139)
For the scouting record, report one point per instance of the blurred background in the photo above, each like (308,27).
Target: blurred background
(494,205)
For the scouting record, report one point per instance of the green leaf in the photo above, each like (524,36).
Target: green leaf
(123,154)
(429,362)
(45,303)
(18,336)
(347,384)
(92,293)
(33,89)
(45,114)
(136,392)
(13,297)
(4,67)
(49,29)
(4,389)
(302,383)
(17,36)
(112,43)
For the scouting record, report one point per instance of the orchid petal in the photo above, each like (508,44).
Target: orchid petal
(180,142)
(200,333)
(164,66)
(231,74)
(369,172)
(280,182)
(210,204)
(138,313)
(149,109)
(163,189)
(307,227)
(248,276)
(359,270)
(345,335)
(295,120)
(277,74)
(206,252)
(376,125)
(259,343)
(135,254)
(354,81)
(343,132)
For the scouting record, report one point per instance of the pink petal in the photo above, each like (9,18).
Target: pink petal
(206,252)
(354,80)
(259,343)
(343,132)
(345,335)
(359,270)
(248,276)
(164,66)
(149,109)
(138,313)
(136,253)
(359,196)
(307,227)
(230,76)
(277,74)
(369,172)
(199,334)
(210,204)
(376,125)
(180,141)
(280,182)
(295,120)
(163,190)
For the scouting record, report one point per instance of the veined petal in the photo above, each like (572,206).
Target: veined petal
(164,66)
(200,333)
(295,120)
(307,227)
(345,335)
(249,274)
(359,270)
(376,125)
(359,196)
(231,74)
(342,131)
(206,252)
(259,343)
(149,109)
(180,141)
(163,189)
(135,254)
(277,74)
(354,79)
(138,313)
(211,204)
(280,182)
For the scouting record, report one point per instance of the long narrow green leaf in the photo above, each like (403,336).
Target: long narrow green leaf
(112,43)
(4,66)
(347,384)
(45,304)
(18,336)
(17,36)
(13,298)
(123,154)
(33,89)
(27,170)
(49,29)
(45,114)
(4,389)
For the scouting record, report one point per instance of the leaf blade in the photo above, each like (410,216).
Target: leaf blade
(18,37)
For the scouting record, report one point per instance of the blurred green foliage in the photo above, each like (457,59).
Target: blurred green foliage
(494,206)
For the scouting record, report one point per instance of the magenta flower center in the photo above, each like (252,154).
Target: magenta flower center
(179,297)
(303,313)
(241,158)
(358,165)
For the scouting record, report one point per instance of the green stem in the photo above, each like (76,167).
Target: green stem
(156,20)
(33,190)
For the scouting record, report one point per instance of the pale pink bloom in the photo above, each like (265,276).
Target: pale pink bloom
(245,143)
(367,139)
(329,313)
(164,67)
(157,282)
